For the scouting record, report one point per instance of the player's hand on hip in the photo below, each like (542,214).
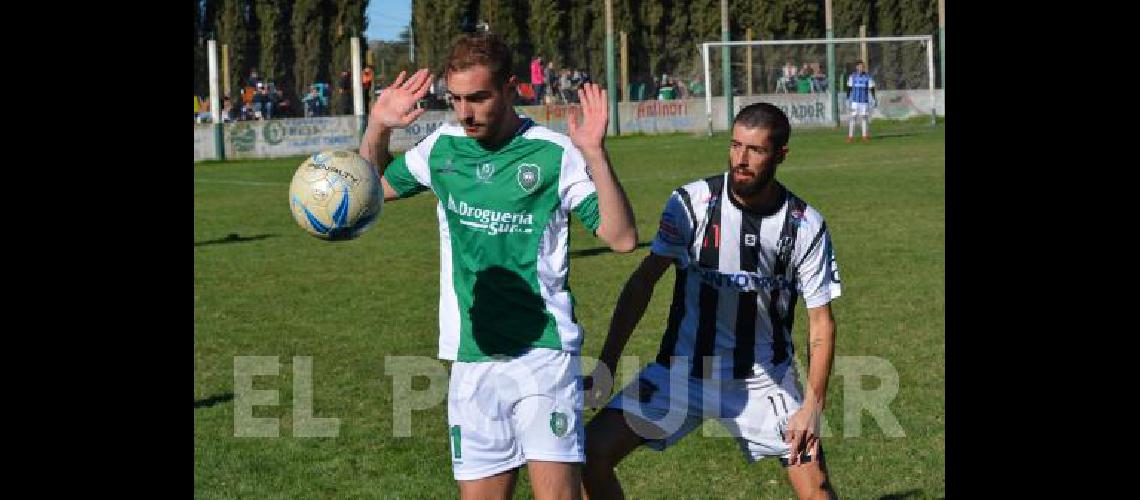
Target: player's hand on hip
(595,117)
(802,434)
(395,107)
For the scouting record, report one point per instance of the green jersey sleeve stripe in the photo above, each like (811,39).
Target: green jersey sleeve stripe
(587,212)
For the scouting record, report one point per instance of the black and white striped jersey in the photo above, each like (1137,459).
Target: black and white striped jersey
(738,276)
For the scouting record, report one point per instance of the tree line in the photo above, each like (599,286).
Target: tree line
(297,42)
(664,36)
(292,43)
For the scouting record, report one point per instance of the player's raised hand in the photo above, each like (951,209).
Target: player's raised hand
(395,107)
(595,117)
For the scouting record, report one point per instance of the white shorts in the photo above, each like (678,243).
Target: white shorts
(754,411)
(859,108)
(500,414)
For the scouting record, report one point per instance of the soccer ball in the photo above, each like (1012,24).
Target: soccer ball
(335,195)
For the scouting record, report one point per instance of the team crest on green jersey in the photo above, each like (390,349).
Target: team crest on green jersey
(529,176)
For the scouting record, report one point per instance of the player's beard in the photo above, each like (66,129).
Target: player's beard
(749,188)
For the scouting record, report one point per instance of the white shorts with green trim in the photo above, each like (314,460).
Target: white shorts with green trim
(501,414)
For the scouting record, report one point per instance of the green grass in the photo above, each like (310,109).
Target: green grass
(272,290)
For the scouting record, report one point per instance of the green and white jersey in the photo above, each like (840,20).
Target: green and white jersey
(503,237)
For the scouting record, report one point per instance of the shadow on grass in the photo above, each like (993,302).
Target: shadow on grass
(214,400)
(914,493)
(587,252)
(890,135)
(233,238)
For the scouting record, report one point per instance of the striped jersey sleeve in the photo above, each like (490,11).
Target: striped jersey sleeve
(817,273)
(675,230)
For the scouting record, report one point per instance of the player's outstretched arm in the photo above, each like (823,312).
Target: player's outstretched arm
(617,226)
(628,311)
(803,427)
(393,109)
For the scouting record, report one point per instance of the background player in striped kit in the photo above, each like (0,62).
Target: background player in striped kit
(744,248)
(860,95)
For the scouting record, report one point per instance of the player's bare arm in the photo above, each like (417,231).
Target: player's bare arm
(628,311)
(393,109)
(803,427)
(617,226)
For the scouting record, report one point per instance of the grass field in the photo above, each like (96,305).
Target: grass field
(262,287)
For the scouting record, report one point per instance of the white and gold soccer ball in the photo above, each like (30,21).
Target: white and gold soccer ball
(335,195)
